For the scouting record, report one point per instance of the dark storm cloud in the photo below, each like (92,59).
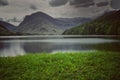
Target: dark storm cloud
(56,3)
(82,3)
(33,7)
(115,4)
(3,2)
(76,3)
(101,4)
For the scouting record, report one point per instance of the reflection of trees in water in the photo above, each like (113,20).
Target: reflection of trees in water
(108,47)
(1,45)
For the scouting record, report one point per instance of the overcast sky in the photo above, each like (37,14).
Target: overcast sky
(57,8)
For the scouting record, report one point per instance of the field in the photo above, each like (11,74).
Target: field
(70,66)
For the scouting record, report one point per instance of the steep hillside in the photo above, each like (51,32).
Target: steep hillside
(108,24)
(38,23)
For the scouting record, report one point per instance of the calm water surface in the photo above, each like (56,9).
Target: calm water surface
(18,45)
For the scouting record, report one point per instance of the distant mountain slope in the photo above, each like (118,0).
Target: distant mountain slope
(7,25)
(108,24)
(6,29)
(5,32)
(72,22)
(41,23)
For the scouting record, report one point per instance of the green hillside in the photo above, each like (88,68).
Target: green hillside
(108,24)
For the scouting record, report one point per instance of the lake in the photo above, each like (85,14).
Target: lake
(20,45)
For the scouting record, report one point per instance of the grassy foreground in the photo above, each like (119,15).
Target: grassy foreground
(72,66)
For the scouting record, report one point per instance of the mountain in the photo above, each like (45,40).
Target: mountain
(6,29)
(41,23)
(107,24)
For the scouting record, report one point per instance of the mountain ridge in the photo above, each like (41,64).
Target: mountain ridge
(51,25)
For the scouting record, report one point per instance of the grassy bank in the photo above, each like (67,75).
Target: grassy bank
(73,66)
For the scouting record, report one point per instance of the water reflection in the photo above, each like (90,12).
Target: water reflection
(11,49)
(20,46)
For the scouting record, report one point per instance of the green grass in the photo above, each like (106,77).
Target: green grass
(72,66)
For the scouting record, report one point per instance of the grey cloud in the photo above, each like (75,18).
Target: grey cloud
(56,3)
(76,3)
(115,4)
(3,2)
(101,4)
(82,3)
(33,7)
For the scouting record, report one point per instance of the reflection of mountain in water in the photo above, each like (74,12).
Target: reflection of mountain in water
(21,45)
(12,49)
